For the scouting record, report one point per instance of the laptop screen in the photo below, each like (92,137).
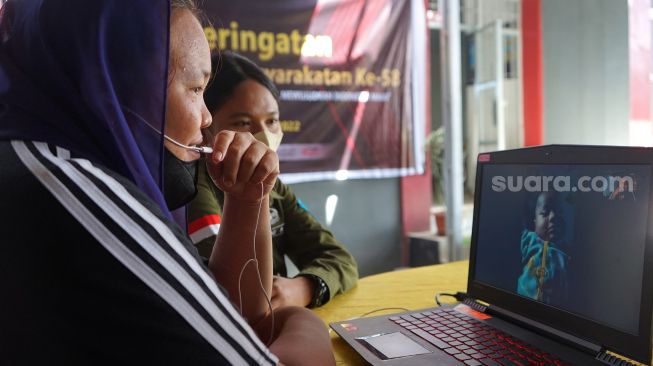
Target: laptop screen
(569,236)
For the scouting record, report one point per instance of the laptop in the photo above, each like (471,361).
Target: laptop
(560,271)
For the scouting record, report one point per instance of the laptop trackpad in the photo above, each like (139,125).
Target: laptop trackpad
(392,345)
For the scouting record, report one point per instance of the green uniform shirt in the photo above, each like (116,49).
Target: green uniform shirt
(295,233)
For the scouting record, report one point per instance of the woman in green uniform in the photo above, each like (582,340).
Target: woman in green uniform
(242,98)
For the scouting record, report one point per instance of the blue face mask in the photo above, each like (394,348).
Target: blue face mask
(179,180)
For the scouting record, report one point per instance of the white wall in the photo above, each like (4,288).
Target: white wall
(585,66)
(367,218)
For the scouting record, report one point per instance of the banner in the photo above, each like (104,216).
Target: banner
(352,78)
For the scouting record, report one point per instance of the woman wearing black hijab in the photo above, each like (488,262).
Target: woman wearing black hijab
(92,268)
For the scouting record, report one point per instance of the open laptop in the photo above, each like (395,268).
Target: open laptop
(561,268)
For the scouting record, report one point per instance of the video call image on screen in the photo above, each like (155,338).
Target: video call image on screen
(570,236)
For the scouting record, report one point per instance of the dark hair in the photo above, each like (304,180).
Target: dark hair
(192,6)
(186,4)
(231,69)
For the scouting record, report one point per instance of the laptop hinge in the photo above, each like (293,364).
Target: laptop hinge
(474,304)
(549,331)
(609,359)
(602,355)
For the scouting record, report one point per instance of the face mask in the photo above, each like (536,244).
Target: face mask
(179,180)
(272,140)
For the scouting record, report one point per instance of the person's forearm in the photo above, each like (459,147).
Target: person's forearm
(234,248)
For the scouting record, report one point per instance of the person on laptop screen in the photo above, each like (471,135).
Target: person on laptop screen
(544,262)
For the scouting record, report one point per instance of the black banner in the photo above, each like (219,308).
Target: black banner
(351,76)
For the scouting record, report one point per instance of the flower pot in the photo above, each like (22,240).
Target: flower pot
(440,223)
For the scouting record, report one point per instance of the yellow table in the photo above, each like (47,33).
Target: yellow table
(412,289)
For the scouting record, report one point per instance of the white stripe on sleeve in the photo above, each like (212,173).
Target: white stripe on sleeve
(126,256)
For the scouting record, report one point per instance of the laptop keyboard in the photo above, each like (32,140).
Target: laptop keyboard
(473,342)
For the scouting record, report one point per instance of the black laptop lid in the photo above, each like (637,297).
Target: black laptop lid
(562,235)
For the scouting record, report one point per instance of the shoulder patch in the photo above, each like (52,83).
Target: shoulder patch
(301,204)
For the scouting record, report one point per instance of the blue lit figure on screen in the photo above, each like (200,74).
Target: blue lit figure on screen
(544,270)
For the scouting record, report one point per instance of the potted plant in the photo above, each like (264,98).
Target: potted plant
(435,149)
